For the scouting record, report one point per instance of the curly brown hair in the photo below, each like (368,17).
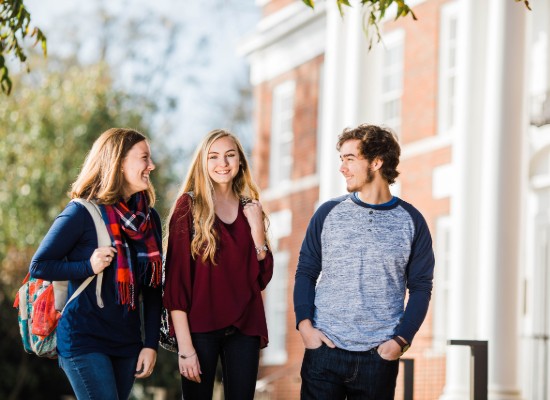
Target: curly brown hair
(376,142)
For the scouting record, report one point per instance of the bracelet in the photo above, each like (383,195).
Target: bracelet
(262,248)
(189,356)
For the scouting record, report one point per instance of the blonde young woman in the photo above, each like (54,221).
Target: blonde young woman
(217,263)
(100,348)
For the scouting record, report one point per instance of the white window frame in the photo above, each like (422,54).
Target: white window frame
(282,134)
(320,115)
(393,41)
(536,369)
(448,67)
(276,293)
(442,284)
(276,305)
(443,181)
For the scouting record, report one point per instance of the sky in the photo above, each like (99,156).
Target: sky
(181,53)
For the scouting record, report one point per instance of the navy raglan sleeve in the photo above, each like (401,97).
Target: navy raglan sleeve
(309,265)
(420,270)
(52,261)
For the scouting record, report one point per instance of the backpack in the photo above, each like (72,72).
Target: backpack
(41,303)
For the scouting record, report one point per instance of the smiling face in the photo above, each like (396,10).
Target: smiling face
(223,161)
(356,169)
(136,167)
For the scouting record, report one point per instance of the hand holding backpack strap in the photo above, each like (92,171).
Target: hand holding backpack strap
(103,239)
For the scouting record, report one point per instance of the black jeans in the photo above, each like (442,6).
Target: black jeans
(336,374)
(240,356)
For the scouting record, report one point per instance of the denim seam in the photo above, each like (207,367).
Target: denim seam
(355,371)
(82,377)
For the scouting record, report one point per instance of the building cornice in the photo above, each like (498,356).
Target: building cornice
(277,26)
(285,40)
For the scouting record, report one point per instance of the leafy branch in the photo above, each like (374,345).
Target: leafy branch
(526,2)
(376,11)
(15,27)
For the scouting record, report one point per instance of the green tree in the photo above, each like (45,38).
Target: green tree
(46,128)
(15,27)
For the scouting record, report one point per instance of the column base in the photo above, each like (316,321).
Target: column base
(504,395)
(455,394)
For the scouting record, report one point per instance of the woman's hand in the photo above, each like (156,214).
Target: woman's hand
(190,367)
(101,258)
(255,216)
(146,362)
(188,361)
(253,213)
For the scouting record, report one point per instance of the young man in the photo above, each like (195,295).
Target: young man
(370,247)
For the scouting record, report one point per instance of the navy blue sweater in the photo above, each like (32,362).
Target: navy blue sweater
(64,254)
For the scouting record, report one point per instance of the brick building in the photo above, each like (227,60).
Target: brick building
(466,89)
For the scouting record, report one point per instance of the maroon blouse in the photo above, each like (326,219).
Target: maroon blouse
(217,296)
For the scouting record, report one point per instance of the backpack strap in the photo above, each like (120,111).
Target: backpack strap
(103,239)
(80,289)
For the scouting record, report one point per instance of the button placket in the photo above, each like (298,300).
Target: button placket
(371,215)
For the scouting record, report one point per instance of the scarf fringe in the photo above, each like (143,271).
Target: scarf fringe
(156,273)
(125,294)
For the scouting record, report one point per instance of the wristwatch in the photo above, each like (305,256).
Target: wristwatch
(401,342)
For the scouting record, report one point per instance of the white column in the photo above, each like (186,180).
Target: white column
(331,182)
(545,10)
(354,41)
(464,201)
(501,167)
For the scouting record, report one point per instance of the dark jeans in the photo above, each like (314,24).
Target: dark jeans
(240,356)
(97,376)
(335,374)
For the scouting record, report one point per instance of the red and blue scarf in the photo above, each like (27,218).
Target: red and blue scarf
(136,228)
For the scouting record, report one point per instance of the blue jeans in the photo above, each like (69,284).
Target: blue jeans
(97,376)
(336,374)
(240,357)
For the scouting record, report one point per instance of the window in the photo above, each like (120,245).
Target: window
(276,293)
(282,135)
(276,307)
(392,80)
(320,114)
(441,283)
(448,69)
(442,181)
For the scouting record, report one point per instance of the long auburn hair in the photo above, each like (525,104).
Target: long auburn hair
(198,181)
(101,178)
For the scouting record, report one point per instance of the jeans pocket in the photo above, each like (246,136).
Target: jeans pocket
(378,356)
(316,348)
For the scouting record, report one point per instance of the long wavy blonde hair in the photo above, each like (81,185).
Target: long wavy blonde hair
(101,178)
(198,181)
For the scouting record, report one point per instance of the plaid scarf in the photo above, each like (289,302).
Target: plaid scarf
(139,231)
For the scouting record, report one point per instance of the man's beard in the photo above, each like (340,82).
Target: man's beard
(368,179)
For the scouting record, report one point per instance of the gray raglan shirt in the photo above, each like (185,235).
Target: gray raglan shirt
(368,255)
